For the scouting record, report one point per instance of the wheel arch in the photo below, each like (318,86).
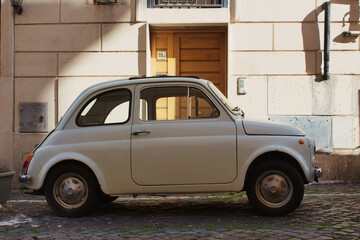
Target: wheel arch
(68,162)
(53,165)
(274,155)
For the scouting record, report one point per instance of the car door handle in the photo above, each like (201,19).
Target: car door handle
(140,133)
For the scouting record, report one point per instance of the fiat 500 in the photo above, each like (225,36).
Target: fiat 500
(167,135)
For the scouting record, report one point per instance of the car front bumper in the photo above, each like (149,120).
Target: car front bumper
(317,173)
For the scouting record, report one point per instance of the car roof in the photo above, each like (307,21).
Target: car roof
(139,80)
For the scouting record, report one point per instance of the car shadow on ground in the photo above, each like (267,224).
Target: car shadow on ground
(180,212)
(177,207)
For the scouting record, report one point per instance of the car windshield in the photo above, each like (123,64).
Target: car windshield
(225,101)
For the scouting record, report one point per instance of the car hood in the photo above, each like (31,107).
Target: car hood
(255,127)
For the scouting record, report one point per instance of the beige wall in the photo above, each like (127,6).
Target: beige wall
(6,89)
(60,48)
(63,46)
(279,45)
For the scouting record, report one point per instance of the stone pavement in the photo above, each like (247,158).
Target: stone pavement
(328,211)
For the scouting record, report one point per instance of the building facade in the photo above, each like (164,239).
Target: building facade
(265,55)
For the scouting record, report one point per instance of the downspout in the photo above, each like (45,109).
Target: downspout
(327,8)
(13,68)
(13,85)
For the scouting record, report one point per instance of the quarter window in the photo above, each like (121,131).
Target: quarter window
(112,107)
(175,103)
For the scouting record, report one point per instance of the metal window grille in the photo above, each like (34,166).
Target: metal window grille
(187,3)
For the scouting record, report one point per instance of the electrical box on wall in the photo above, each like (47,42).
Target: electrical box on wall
(241,85)
(33,117)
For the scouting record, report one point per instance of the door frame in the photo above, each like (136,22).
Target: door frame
(173,64)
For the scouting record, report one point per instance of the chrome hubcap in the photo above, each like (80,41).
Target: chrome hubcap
(70,191)
(274,189)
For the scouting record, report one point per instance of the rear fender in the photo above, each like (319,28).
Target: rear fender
(63,158)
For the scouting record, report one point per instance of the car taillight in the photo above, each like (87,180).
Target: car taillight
(26,162)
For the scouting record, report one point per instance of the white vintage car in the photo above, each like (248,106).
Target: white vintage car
(167,135)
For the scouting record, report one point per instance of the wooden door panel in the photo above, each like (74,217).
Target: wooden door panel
(202,42)
(199,66)
(204,55)
(200,54)
(162,42)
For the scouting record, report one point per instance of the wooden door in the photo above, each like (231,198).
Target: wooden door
(191,53)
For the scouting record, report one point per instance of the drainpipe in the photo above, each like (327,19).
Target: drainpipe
(327,8)
(13,67)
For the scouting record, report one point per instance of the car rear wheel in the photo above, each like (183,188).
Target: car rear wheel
(275,188)
(71,190)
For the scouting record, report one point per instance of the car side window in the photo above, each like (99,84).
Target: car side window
(112,107)
(201,106)
(175,103)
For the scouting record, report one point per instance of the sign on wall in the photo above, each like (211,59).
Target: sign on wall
(161,55)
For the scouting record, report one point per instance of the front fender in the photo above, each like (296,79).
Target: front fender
(291,148)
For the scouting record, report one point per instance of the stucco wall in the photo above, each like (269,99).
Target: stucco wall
(6,133)
(63,46)
(277,45)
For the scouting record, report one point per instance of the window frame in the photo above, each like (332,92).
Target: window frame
(187,105)
(99,95)
(150,4)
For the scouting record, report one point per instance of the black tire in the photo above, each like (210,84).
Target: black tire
(71,190)
(275,188)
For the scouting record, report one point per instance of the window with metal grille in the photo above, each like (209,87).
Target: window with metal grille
(187,3)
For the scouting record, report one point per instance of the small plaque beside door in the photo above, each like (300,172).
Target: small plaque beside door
(161,55)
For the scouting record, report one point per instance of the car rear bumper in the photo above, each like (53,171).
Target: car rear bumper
(24,178)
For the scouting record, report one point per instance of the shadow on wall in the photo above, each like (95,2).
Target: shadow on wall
(111,18)
(79,58)
(311,48)
(92,41)
(358,147)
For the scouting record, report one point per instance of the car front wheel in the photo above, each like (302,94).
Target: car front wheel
(275,188)
(71,190)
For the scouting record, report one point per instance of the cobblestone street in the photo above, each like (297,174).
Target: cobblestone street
(328,211)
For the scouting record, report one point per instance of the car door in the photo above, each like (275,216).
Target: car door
(181,136)
(102,135)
